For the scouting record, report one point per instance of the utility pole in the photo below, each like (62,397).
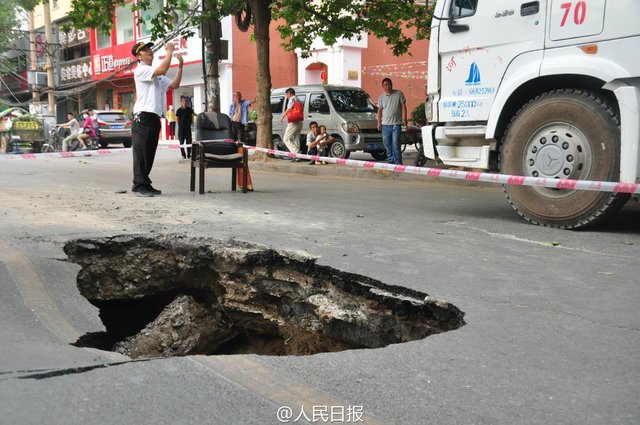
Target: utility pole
(49,52)
(32,55)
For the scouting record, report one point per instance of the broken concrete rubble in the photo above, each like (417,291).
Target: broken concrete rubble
(184,326)
(157,295)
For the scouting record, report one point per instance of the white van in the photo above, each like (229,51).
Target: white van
(348,113)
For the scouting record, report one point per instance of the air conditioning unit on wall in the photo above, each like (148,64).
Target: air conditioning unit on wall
(37,78)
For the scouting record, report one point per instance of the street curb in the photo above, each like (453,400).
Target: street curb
(278,165)
(333,170)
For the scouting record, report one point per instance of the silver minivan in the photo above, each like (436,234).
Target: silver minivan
(348,113)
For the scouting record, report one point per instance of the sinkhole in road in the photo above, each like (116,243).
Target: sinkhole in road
(176,295)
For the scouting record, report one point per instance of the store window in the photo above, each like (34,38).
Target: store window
(104,39)
(124,24)
(154,8)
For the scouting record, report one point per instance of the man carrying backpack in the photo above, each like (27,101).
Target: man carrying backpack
(294,115)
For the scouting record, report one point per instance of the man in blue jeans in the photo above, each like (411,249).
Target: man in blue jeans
(392,114)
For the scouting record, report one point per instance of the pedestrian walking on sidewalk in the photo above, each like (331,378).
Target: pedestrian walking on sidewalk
(151,90)
(392,114)
(185,119)
(294,116)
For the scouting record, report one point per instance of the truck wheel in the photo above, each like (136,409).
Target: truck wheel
(338,149)
(563,134)
(126,143)
(5,144)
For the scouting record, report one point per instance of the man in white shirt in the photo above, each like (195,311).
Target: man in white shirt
(74,131)
(151,91)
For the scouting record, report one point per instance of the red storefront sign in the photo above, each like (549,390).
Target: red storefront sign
(116,59)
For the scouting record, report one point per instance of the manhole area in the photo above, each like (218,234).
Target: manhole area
(174,296)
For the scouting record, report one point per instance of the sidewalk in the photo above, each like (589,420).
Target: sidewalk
(284,165)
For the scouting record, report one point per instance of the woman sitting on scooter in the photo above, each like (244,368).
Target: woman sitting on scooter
(87,129)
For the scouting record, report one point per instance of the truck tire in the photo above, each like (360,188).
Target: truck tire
(5,144)
(563,134)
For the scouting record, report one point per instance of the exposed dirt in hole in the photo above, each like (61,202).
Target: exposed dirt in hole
(173,295)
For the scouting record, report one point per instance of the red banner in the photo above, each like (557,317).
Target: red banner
(109,60)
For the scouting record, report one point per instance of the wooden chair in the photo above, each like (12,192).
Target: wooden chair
(213,148)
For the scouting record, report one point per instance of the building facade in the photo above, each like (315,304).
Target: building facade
(361,63)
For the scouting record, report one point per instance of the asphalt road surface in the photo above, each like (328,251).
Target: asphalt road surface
(552,333)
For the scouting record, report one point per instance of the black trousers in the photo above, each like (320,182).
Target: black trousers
(237,129)
(184,135)
(145,132)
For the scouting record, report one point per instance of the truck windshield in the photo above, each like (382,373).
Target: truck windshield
(351,101)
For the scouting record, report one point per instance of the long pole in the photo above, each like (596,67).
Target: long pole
(32,55)
(49,53)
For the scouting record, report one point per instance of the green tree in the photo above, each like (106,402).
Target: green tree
(304,21)
(330,20)
(10,22)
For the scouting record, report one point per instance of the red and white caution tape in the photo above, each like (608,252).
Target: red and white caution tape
(70,154)
(567,184)
(78,153)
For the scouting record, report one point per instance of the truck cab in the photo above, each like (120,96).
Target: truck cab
(545,88)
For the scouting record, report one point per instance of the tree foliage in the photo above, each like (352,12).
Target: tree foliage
(9,23)
(304,20)
(174,16)
(10,20)
(329,20)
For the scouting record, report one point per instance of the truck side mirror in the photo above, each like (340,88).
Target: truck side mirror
(455,27)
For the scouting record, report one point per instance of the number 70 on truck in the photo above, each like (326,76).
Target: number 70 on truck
(548,89)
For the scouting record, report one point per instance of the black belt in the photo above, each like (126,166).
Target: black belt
(147,114)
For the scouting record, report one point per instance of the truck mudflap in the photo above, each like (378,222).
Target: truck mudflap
(428,142)
(628,96)
(454,155)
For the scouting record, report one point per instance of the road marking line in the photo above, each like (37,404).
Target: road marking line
(34,293)
(279,389)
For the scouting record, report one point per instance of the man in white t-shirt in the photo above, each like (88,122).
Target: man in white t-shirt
(74,130)
(151,91)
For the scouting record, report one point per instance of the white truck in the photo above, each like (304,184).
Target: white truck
(547,88)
